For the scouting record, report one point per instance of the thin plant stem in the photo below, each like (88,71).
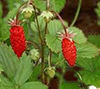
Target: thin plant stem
(61,20)
(38,27)
(33,43)
(46,30)
(77,13)
(20,8)
(48,4)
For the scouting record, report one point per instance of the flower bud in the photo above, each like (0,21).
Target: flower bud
(50,71)
(28,11)
(47,15)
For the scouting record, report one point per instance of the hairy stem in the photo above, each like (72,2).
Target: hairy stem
(48,4)
(77,13)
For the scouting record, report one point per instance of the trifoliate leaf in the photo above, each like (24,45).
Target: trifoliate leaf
(53,43)
(79,37)
(90,70)
(87,50)
(95,39)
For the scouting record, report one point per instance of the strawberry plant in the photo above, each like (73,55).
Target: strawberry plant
(37,45)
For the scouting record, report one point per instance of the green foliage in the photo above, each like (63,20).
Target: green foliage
(55,26)
(9,60)
(90,70)
(87,50)
(24,70)
(97,10)
(41,4)
(56,5)
(69,85)
(41,24)
(52,40)
(53,43)
(4,30)
(36,73)
(5,83)
(14,3)
(95,39)
(33,85)
(79,37)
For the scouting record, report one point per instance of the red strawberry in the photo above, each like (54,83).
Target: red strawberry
(69,49)
(17,38)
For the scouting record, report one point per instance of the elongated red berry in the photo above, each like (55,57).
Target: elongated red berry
(68,48)
(69,51)
(17,39)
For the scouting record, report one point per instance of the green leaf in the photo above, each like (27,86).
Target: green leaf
(56,5)
(33,85)
(53,43)
(91,78)
(87,50)
(90,72)
(95,39)
(79,37)
(10,4)
(54,27)
(40,4)
(36,73)
(69,85)
(5,83)
(89,63)
(11,14)
(41,24)
(9,60)
(4,32)
(24,70)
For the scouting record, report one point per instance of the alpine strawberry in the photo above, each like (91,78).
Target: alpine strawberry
(17,38)
(69,49)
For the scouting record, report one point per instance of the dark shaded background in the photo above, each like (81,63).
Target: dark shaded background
(86,21)
(87,18)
